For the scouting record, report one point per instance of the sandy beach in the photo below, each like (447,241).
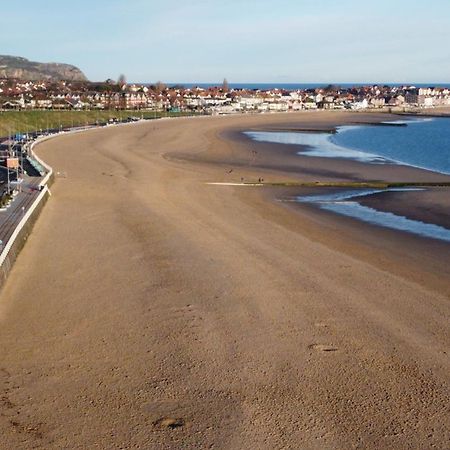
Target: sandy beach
(151,310)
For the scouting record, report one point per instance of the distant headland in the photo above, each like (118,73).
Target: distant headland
(21,68)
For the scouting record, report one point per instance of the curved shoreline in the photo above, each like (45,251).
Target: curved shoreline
(157,297)
(321,143)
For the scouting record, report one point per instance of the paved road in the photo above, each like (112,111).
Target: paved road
(12,216)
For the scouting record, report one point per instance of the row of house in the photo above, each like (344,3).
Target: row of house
(16,94)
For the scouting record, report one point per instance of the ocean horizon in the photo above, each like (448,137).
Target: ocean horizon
(302,86)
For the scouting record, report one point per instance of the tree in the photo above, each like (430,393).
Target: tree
(160,87)
(122,80)
(225,87)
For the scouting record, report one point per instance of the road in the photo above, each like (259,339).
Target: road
(10,217)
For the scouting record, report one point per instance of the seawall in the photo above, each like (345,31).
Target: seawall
(11,249)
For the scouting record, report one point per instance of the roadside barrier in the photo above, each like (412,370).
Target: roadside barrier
(13,246)
(19,236)
(41,162)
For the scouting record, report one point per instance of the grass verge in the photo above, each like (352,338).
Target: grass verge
(12,122)
(356,184)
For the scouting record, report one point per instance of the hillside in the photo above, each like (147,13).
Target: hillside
(21,68)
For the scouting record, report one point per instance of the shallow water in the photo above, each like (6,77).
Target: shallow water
(345,203)
(319,144)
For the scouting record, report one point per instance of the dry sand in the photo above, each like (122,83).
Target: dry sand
(150,310)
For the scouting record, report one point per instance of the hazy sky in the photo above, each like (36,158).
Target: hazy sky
(244,41)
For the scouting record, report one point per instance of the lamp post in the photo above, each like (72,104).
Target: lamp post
(7,159)
(9,185)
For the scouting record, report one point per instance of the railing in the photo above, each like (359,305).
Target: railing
(42,163)
(21,224)
(5,262)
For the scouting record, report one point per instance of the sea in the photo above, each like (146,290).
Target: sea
(418,142)
(421,142)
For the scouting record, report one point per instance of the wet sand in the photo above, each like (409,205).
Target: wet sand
(151,310)
(430,205)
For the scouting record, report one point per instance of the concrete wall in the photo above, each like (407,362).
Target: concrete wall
(12,248)
(17,241)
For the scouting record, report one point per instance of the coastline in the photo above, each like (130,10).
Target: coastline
(431,205)
(410,252)
(220,319)
(330,168)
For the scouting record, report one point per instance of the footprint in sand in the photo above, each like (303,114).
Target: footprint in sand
(323,347)
(321,325)
(170,423)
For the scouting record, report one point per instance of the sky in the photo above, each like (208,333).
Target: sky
(282,41)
